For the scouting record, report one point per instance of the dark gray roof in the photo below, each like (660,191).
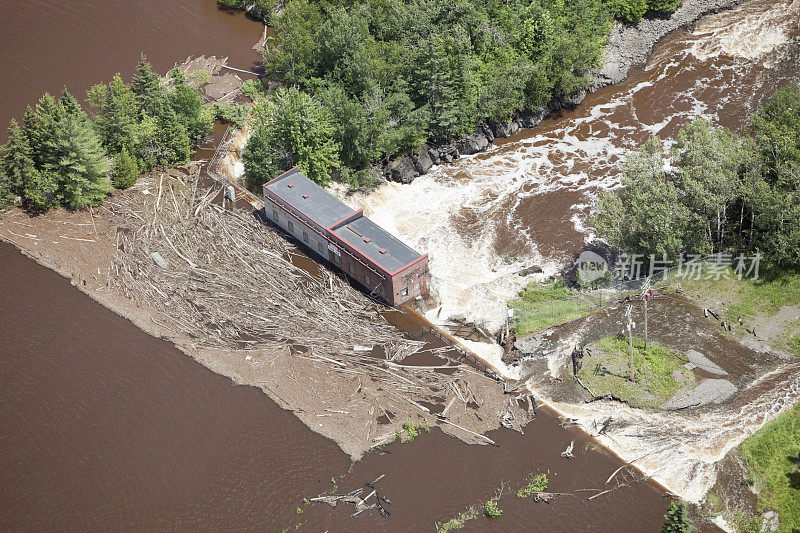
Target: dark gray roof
(319,206)
(397,254)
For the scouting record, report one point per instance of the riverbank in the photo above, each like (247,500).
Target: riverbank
(347,374)
(628,46)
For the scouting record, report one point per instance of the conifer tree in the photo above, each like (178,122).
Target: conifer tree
(41,191)
(125,170)
(145,86)
(78,163)
(70,104)
(40,128)
(677,519)
(16,165)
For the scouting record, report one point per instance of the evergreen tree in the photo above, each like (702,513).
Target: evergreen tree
(41,191)
(146,87)
(677,519)
(117,113)
(79,163)
(70,104)
(40,128)
(125,170)
(16,165)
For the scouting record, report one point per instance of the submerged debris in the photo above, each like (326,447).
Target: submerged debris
(354,498)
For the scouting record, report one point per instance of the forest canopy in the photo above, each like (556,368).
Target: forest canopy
(390,74)
(60,156)
(720,192)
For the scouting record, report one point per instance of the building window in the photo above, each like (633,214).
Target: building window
(366,280)
(404,291)
(290,225)
(336,258)
(320,248)
(305,236)
(275,215)
(351,268)
(382,290)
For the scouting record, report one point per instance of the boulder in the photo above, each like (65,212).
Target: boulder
(505,130)
(402,170)
(704,363)
(574,100)
(531,119)
(473,143)
(770,522)
(534,269)
(528,345)
(422,159)
(487,132)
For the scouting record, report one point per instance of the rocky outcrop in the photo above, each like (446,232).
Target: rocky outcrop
(708,391)
(627,46)
(630,45)
(402,169)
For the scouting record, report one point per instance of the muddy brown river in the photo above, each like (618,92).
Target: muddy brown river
(103,427)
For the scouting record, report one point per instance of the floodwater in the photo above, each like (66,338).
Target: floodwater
(106,428)
(103,427)
(47,45)
(527,199)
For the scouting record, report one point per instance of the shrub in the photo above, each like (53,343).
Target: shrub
(629,10)
(535,484)
(491,510)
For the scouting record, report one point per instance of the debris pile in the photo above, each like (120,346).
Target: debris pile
(227,283)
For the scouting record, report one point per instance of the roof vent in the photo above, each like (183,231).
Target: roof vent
(290,185)
(367,239)
(305,196)
(383,250)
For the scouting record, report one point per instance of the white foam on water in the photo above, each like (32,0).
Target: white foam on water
(750,37)
(454,213)
(679,450)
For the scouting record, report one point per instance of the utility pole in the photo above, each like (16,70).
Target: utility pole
(630,325)
(646,298)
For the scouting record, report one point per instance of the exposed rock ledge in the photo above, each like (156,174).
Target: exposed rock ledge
(627,47)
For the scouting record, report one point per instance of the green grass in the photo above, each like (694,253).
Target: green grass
(534,485)
(539,307)
(748,298)
(535,292)
(606,371)
(772,455)
(794,344)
